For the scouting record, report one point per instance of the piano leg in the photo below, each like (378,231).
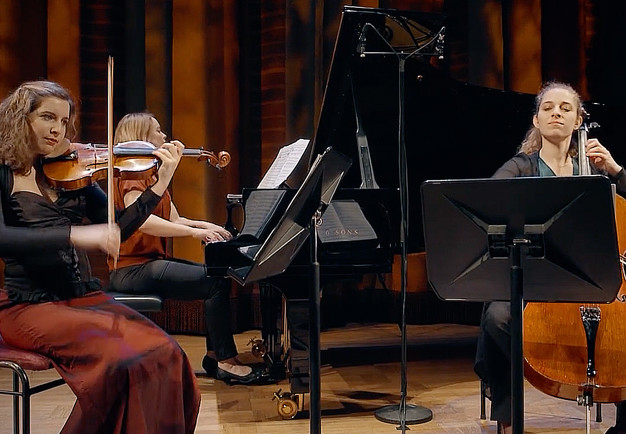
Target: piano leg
(272,331)
(298,344)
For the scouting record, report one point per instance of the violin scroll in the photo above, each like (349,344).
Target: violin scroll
(219,161)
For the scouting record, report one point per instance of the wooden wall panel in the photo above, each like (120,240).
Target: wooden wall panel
(64,45)
(158,61)
(273,92)
(10,55)
(189,112)
(525,45)
(205,109)
(101,35)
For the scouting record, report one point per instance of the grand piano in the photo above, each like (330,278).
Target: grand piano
(453,130)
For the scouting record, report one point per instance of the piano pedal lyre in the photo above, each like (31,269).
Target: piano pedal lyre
(288,404)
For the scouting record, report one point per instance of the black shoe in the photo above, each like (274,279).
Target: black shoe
(616,430)
(209,365)
(228,377)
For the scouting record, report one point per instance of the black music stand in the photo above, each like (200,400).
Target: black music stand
(299,221)
(522,239)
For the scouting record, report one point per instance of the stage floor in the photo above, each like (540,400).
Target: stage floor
(360,373)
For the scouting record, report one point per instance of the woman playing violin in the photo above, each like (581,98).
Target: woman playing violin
(145,267)
(547,150)
(127,374)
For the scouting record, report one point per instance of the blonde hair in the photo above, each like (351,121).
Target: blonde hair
(532,140)
(133,126)
(15,130)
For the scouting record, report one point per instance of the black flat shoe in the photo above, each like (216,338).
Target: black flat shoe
(209,365)
(228,377)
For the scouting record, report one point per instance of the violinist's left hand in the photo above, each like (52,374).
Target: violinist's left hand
(169,154)
(601,158)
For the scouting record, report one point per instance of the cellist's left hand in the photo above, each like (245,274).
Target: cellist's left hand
(601,158)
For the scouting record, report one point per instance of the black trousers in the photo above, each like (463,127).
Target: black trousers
(496,354)
(178,279)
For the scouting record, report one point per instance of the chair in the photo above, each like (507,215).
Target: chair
(19,361)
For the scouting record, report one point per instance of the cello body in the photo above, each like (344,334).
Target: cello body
(555,343)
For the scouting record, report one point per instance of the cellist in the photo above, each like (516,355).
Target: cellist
(547,150)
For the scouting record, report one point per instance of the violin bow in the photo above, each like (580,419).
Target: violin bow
(110,195)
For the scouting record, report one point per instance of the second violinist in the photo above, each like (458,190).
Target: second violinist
(145,267)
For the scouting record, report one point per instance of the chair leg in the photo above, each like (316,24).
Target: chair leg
(483,397)
(21,385)
(598,412)
(16,403)
(26,410)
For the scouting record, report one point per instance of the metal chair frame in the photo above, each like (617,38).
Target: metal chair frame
(22,390)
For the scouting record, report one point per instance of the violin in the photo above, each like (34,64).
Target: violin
(85,164)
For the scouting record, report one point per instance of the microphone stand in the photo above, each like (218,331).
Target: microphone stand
(402,414)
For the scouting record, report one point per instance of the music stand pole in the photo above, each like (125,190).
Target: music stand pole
(402,413)
(315,410)
(517,351)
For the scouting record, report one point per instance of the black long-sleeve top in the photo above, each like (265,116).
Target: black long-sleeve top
(41,263)
(528,165)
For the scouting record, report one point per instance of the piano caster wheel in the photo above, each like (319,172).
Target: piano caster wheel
(258,347)
(287,405)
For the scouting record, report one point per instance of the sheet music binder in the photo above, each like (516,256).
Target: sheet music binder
(276,253)
(266,203)
(263,207)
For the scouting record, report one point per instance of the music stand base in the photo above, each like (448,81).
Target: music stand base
(415,414)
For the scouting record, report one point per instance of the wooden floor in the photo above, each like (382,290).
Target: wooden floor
(360,373)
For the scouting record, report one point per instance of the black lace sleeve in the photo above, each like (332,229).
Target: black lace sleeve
(15,241)
(129,219)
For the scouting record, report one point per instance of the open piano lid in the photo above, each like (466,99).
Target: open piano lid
(361,29)
(453,129)
(441,113)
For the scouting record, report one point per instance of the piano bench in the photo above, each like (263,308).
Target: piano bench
(19,361)
(139,302)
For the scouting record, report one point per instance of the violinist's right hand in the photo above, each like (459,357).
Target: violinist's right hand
(170,154)
(97,237)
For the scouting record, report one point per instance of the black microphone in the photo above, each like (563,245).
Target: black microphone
(362,40)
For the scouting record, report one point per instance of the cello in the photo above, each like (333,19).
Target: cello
(577,351)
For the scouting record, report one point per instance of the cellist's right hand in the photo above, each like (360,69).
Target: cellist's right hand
(170,154)
(97,237)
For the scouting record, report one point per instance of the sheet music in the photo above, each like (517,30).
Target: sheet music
(284,163)
(260,207)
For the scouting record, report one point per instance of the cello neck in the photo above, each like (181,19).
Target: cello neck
(583,160)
